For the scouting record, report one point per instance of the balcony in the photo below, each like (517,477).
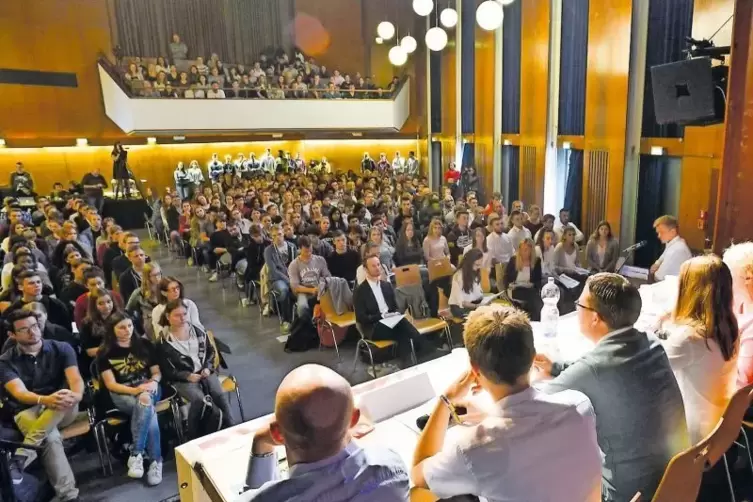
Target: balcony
(137,115)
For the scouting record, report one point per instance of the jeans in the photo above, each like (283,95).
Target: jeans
(282,289)
(203,253)
(403,333)
(39,425)
(144,424)
(194,394)
(97,201)
(182,192)
(303,305)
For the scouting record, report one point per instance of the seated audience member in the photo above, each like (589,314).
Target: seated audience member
(314,415)
(547,222)
(534,222)
(739,259)
(305,273)
(676,251)
(50,331)
(113,251)
(64,274)
(130,280)
(369,249)
(121,263)
(31,291)
(43,386)
(130,371)
(143,300)
(101,306)
(500,458)
(187,357)
(702,342)
(94,280)
(566,257)
(23,256)
(435,244)
(227,245)
(215,92)
(545,251)
(479,242)
(343,262)
(459,237)
(77,286)
(564,222)
(170,288)
(406,213)
(201,228)
(466,292)
(408,250)
(499,244)
(629,380)
(89,235)
(523,280)
(374,300)
(278,256)
(254,253)
(517,232)
(603,249)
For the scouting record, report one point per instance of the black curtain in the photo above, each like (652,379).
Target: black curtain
(437,170)
(511,157)
(237,30)
(511,69)
(669,22)
(652,180)
(574,186)
(573,61)
(468,68)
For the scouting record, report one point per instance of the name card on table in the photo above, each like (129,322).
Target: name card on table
(396,397)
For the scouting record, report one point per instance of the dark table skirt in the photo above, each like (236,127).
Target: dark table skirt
(128,213)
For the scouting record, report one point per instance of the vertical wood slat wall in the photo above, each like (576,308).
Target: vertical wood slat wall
(595,179)
(528,179)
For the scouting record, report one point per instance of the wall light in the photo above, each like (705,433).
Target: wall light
(151,140)
(2,143)
(82,141)
(567,145)
(379,40)
(357,134)
(277,135)
(507,142)
(657,150)
(179,138)
(386,30)
(489,15)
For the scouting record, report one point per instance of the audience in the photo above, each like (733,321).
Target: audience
(563,223)
(676,251)
(739,259)
(602,250)
(466,293)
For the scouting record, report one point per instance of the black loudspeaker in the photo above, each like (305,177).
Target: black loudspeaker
(690,92)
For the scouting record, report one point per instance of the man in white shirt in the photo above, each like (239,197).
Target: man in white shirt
(215,92)
(563,222)
(529,445)
(398,164)
(676,251)
(498,243)
(518,232)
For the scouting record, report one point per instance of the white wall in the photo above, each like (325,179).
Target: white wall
(227,115)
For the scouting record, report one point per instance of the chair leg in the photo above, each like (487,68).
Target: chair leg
(337,349)
(177,422)
(371,359)
(355,359)
(413,357)
(729,478)
(448,334)
(108,456)
(98,440)
(240,402)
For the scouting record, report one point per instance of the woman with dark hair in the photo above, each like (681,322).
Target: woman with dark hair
(187,355)
(479,242)
(120,173)
(408,250)
(336,220)
(702,342)
(545,247)
(170,288)
(129,369)
(466,292)
(602,250)
(100,306)
(522,279)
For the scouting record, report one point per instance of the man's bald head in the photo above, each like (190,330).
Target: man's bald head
(314,411)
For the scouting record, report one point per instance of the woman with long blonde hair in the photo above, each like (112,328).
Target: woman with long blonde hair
(522,279)
(435,244)
(566,258)
(143,300)
(702,342)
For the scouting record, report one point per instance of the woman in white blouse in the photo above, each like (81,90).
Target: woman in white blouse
(479,242)
(702,342)
(466,290)
(545,251)
(566,253)
(435,244)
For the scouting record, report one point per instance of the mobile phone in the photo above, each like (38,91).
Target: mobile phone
(424,419)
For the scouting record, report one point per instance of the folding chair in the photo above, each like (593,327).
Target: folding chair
(440,268)
(228,382)
(149,226)
(331,318)
(368,344)
(407,276)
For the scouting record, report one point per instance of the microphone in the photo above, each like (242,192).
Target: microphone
(636,246)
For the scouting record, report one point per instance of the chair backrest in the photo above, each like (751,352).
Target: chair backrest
(325,303)
(499,273)
(486,283)
(439,268)
(682,478)
(210,337)
(407,275)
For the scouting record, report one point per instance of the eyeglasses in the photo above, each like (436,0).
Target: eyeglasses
(28,329)
(578,304)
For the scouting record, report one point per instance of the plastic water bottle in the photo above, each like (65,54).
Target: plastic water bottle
(550,314)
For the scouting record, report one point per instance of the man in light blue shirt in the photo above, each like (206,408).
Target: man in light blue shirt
(314,413)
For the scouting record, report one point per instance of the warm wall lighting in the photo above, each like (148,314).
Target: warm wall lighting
(507,142)
(151,140)
(357,134)
(179,138)
(657,150)
(82,141)
(2,143)
(277,135)
(567,145)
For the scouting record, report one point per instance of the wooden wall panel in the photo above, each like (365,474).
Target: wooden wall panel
(157,163)
(54,35)
(534,73)
(484,139)
(449,101)
(609,24)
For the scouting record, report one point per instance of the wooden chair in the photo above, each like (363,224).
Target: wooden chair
(331,318)
(422,495)
(408,275)
(368,344)
(228,382)
(440,268)
(486,283)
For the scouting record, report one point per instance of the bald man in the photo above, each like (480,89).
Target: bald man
(314,413)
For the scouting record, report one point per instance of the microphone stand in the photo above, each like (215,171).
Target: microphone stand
(7,448)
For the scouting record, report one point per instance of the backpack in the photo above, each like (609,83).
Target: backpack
(303,336)
(204,418)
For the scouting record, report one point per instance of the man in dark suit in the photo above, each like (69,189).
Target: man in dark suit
(374,300)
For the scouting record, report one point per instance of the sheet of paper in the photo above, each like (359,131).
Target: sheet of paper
(568,282)
(390,322)
(487,299)
(581,271)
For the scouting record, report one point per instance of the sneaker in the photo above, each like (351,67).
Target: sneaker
(245,302)
(205,269)
(213,277)
(190,262)
(285,328)
(266,312)
(154,475)
(16,466)
(136,466)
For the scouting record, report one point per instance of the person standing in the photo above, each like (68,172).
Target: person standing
(21,182)
(676,251)
(94,184)
(178,49)
(182,181)
(120,172)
